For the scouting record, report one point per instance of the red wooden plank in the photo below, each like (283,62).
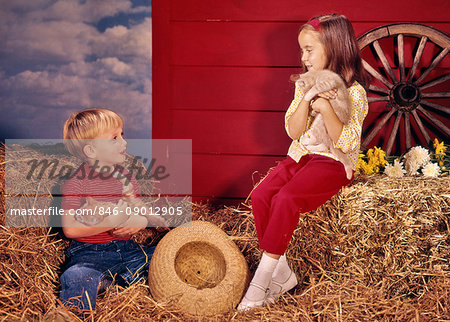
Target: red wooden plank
(241,43)
(228,176)
(247,44)
(256,10)
(238,88)
(243,88)
(160,69)
(219,202)
(235,132)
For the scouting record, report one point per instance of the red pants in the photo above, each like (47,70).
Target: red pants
(290,189)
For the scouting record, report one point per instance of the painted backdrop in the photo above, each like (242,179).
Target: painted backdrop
(60,56)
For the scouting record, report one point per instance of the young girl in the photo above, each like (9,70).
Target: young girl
(305,180)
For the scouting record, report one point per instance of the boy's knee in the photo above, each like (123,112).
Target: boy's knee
(80,274)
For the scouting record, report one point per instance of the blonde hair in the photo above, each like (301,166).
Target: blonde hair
(87,125)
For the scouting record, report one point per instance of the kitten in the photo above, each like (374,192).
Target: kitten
(316,82)
(136,203)
(98,211)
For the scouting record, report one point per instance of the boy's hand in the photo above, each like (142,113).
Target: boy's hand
(134,224)
(156,221)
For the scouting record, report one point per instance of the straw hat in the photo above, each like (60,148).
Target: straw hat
(199,269)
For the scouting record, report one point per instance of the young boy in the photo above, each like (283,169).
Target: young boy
(102,253)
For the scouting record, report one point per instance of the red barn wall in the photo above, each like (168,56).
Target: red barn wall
(221,78)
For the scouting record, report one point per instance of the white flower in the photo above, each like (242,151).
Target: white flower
(412,167)
(394,171)
(418,155)
(416,158)
(431,170)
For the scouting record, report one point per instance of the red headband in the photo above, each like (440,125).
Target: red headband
(315,23)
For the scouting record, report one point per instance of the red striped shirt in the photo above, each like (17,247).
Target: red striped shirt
(89,184)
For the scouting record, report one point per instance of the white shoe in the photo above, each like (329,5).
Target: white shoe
(276,288)
(247,304)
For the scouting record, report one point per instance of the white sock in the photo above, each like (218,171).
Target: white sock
(282,271)
(262,277)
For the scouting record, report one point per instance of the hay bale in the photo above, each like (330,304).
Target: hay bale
(379,250)
(387,238)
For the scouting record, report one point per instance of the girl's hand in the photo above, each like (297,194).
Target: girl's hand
(312,94)
(321,105)
(329,95)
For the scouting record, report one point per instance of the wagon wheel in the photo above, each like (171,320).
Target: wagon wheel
(402,87)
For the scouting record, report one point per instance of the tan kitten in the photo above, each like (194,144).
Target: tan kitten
(98,212)
(136,203)
(316,82)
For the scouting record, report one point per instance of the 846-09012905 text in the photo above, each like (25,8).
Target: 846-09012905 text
(98,210)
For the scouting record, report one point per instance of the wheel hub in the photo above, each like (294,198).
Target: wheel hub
(405,96)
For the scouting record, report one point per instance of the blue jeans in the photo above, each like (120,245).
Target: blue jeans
(88,265)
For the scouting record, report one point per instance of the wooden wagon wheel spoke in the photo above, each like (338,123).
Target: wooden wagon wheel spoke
(434,120)
(376,74)
(378,127)
(401,57)
(384,60)
(439,107)
(436,81)
(407,131)
(374,88)
(393,133)
(436,61)
(418,56)
(437,95)
(404,92)
(371,99)
(421,127)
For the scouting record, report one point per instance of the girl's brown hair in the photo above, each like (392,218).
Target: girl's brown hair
(343,54)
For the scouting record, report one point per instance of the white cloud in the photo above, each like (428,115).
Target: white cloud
(56,61)
(53,41)
(90,11)
(117,67)
(24,5)
(69,10)
(136,41)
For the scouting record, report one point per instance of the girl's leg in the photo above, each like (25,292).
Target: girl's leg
(307,185)
(283,279)
(330,181)
(257,291)
(263,193)
(261,201)
(315,183)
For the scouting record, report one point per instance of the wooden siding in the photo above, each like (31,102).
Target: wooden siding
(221,78)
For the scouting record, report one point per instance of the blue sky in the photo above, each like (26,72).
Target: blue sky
(61,56)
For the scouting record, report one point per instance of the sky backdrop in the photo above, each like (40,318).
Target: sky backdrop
(61,56)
